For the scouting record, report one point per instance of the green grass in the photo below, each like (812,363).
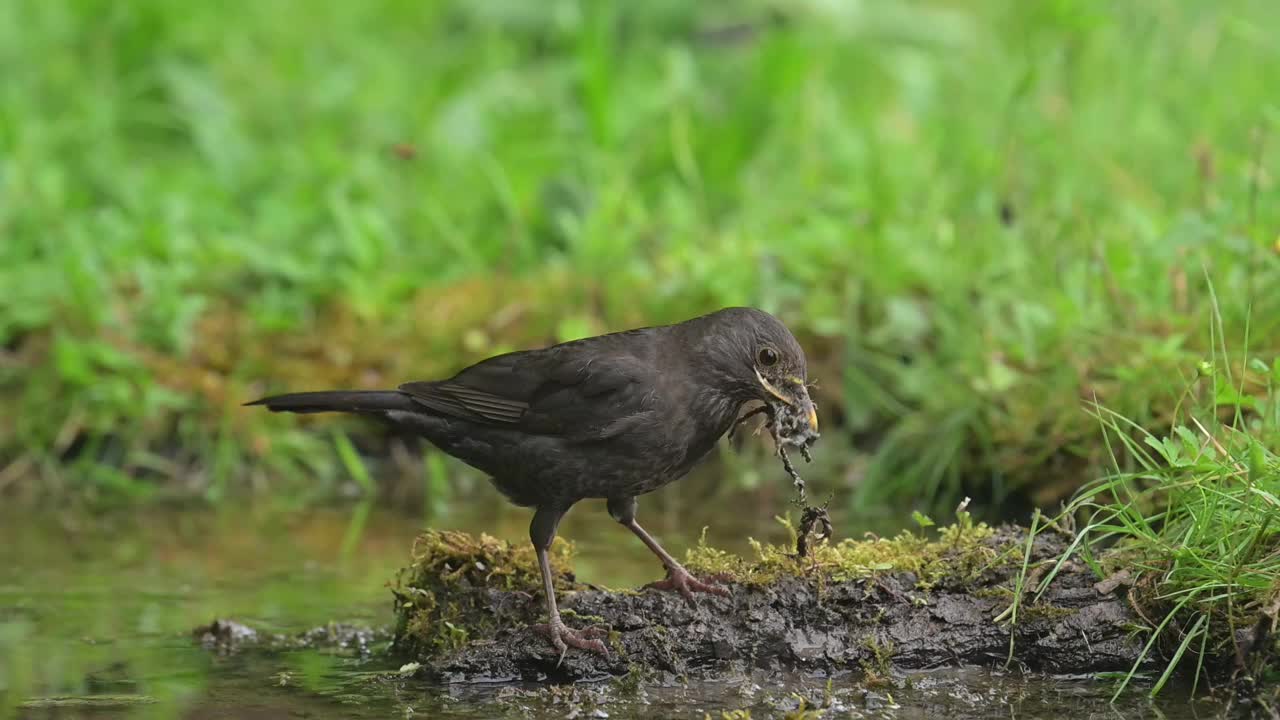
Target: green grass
(977,214)
(1188,524)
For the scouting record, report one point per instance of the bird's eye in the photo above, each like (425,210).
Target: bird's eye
(768,357)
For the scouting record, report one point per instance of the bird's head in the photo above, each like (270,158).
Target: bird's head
(763,360)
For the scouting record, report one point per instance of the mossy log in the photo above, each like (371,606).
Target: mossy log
(466,609)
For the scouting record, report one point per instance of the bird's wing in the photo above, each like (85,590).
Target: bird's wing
(575,391)
(493,391)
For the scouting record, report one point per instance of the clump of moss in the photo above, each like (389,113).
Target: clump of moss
(441,597)
(960,551)
(637,676)
(877,668)
(461,559)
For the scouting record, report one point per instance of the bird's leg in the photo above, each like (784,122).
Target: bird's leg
(679,579)
(542,531)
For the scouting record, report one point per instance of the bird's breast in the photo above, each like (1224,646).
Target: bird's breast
(690,434)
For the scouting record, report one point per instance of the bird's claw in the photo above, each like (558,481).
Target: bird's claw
(680,580)
(564,637)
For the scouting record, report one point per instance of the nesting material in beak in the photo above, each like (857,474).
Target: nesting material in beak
(792,420)
(796,410)
(797,400)
(774,391)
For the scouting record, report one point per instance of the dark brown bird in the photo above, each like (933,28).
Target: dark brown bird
(610,417)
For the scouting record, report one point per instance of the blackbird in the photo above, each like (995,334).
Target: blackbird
(609,417)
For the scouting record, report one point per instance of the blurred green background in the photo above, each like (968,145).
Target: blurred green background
(979,216)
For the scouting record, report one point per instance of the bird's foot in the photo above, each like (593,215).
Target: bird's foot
(680,580)
(564,637)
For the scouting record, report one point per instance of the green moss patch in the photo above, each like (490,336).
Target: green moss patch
(960,551)
(441,598)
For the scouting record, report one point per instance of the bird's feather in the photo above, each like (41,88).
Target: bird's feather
(579,391)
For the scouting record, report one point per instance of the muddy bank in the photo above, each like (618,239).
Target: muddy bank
(466,605)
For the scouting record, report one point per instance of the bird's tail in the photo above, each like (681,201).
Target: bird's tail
(354,401)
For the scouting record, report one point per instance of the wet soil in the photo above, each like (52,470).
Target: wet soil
(807,622)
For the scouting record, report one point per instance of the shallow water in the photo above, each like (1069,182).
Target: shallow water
(96,614)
